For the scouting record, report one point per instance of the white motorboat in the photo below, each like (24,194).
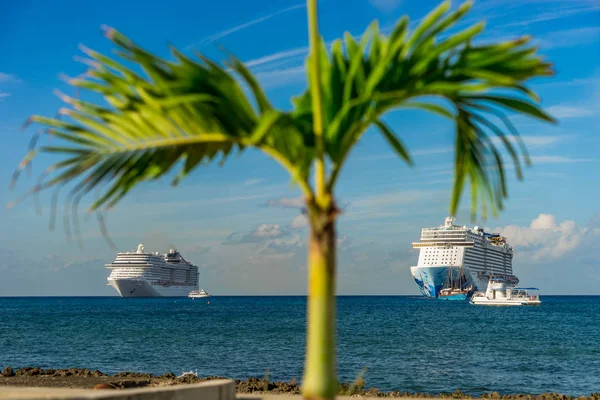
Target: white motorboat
(500,292)
(196,294)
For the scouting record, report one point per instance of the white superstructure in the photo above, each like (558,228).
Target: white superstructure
(467,253)
(143,274)
(196,294)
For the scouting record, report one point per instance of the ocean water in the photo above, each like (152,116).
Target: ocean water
(405,343)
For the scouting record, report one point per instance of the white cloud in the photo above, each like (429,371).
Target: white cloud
(394,204)
(245,25)
(282,77)
(267,230)
(544,221)
(570,37)
(433,150)
(295,55)
(149,207)
(386,5)
(561,112)
(200,249)
(57,263)
(546,238)
(279,56)
(530,142)
(552,15)
(418,152)
(287,202)
(251,182)
(261,234)
(344,242)
(394,198)
(299,222)
(282,245)
(540,141)
(3,95)
(278,250)
(557,160)
(8,78)
(9,260)
(590,81)
(25,274)
(533,141)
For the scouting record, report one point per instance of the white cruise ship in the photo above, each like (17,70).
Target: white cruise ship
(143,274)
(458,259)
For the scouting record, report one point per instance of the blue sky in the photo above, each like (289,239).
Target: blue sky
(240,223)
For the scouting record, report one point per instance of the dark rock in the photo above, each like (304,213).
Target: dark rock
(126,374)
(29,371)
(189,378)
(357,388)
(134,383)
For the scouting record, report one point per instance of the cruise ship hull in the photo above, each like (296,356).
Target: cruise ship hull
(431,280)
(143,288)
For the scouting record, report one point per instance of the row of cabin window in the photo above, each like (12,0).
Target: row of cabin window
(436,252)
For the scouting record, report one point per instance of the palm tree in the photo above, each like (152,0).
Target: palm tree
(186,112)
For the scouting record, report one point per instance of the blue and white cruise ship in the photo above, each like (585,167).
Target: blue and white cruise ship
(455,261)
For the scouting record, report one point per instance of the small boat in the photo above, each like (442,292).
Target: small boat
(456,287)
(455,294)
(501,292)
(196,294)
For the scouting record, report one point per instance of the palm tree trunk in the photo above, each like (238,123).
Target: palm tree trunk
(320,377)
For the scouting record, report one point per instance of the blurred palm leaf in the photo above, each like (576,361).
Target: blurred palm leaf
(183,113)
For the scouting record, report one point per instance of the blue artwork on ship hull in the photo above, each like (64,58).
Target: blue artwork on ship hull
(433,282)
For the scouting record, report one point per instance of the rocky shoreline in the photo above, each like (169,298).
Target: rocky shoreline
(94,379)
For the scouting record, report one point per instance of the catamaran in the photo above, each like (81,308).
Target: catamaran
(501,292)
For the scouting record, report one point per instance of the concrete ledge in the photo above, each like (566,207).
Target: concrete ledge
(210,390)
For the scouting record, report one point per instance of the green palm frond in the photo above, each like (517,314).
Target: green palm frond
(161,115)
(181,114)
(362,80)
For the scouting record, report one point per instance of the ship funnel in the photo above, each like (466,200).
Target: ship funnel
(448,221)
(140,248)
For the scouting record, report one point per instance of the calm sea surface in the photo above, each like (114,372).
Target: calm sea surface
(406,343)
